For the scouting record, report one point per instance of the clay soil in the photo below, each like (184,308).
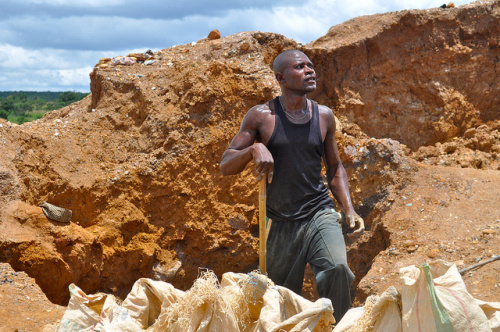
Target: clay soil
(454,216)
(416,96)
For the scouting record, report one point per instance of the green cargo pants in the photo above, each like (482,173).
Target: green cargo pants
(319,242)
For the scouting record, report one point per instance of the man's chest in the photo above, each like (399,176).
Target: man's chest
(269,129)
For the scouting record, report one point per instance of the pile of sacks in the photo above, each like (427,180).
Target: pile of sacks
(241,302)
(433,298)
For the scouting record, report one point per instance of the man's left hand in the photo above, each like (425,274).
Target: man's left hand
(354,219)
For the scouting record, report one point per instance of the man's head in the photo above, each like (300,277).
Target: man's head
(295,71)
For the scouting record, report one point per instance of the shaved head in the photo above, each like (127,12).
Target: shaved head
(281,60)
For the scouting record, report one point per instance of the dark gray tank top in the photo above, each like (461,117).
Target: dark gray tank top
(297,190)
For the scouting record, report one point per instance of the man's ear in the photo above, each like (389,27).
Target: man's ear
(279,77)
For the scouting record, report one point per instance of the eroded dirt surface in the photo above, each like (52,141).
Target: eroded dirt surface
(416,98)
(444,213)
(24,306)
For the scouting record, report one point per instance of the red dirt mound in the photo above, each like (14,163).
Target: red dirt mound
(416,94)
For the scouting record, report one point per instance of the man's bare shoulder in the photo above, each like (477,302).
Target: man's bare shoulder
(326,114)
(259,110)
(325,110)
(257,114)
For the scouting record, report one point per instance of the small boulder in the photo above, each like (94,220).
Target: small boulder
(139,56)
(214,34)
(122,60)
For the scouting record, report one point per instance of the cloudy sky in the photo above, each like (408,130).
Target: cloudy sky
(52,45)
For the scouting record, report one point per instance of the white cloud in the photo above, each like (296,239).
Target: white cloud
(100,33)
(21,58)
(53,44)
(4,57)
(311,19)
(71,77)
(46,69)
(304,23)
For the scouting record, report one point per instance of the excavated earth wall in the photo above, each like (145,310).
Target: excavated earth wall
(137,161)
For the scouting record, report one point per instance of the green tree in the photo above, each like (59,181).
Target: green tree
(69,97)
(21,97)
(4,114)
(21,119)
(8,104)
(24,108)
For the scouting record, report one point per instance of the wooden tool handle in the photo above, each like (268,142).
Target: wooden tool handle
(262,225)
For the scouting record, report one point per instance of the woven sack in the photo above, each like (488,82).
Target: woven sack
(435,299)
(56,213)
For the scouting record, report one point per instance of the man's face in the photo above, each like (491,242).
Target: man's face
(299,73)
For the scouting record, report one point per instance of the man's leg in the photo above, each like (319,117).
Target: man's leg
(328,259)
(286,254)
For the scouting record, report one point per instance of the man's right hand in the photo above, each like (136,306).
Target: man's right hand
(264,162)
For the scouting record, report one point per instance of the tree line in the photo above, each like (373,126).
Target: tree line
(25,106)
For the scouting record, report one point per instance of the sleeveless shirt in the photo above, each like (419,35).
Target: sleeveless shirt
(297,190)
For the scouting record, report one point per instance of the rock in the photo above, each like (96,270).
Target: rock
(214,34)
(121,60)
(160,272)
(433,253)
(245,46)
(409,243)
(140,56)
(103,62)
(411,249)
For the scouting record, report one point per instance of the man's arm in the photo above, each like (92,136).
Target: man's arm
(336,174)
(243,148)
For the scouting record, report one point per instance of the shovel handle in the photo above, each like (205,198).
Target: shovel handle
(262,225)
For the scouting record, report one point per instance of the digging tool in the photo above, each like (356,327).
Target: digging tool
(492,259)
(262,224)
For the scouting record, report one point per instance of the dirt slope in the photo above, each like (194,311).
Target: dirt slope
(416,96)
(24,306)
(444,213)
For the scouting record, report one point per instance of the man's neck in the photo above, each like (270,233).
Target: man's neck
(294,103)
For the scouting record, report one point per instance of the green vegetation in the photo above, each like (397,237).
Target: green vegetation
(24,106)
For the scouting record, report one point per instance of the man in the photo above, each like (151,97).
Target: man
(287,138)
